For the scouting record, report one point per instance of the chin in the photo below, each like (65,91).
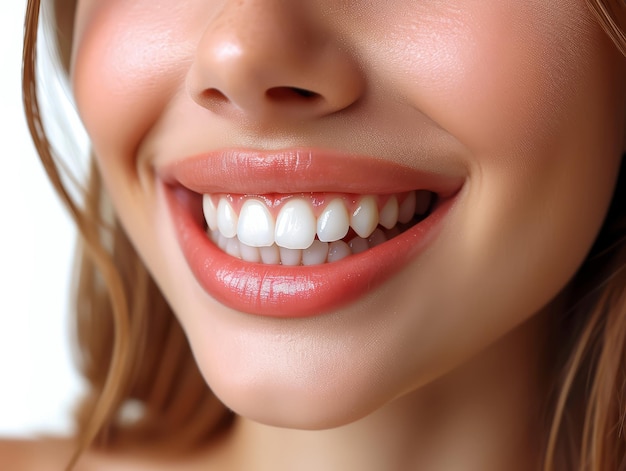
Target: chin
(297,378)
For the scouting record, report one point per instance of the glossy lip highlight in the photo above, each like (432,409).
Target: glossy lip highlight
(276,290)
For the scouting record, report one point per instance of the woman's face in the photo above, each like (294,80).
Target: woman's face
(309,117)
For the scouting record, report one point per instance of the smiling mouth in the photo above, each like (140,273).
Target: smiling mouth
(310,229)
(300,232)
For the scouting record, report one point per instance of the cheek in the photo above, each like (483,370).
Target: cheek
(544,122)
(496,73)
(128,61)
(533,92)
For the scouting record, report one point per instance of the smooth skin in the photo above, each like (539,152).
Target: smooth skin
(444,366)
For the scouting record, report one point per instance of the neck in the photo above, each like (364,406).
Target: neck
(484,416)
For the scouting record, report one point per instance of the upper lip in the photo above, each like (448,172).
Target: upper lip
(301,170)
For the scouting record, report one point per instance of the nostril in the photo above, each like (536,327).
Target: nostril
(304,93)
(213,95)
(286,94)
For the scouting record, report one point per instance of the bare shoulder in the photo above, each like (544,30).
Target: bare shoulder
(54,454)
(40,455)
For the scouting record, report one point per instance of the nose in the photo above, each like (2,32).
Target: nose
(266,59)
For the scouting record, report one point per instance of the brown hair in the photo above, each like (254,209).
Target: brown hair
(133,353)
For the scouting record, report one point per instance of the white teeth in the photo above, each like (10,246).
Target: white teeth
(295,225)
(256,237)
(388,216)
(338,250)
(422,202)
(290,257)
(256,225)
(221,241)
(249,254)
(334,223)
(358,245)
(316,254)
(270,255)
(378,237)
(214,236)
(226,219)
(210,212)
(232,247)
(407,208)
(364,219)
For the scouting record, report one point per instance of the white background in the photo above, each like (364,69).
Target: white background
(37,381)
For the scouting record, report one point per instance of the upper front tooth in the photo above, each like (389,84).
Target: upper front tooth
(210,212)
(295,225)
(364,218)
(334,223)
(226,219)
(256,225)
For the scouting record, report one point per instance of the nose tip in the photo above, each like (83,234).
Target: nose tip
(265,59)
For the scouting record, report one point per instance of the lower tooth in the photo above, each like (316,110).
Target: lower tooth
(270,255)
(338,250)
(232,247)
(249,254)
(290,257)
(358,245)
(316,254)
(377,238)
(222,241)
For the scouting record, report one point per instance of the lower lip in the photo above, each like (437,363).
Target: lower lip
(290,292)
